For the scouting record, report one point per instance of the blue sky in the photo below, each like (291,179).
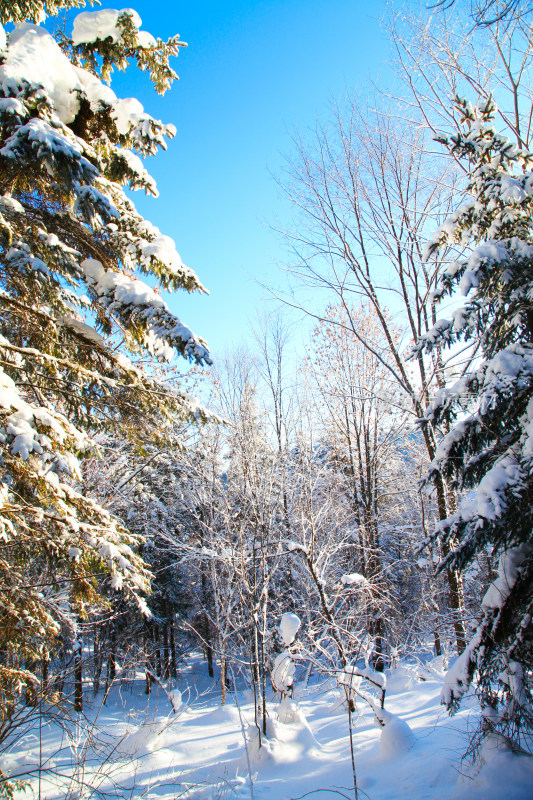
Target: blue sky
(253,73)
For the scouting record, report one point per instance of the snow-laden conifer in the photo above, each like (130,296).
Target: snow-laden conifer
(74,311)
(488,451)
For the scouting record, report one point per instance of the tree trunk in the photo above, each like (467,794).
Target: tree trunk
(172,644)
(166,654)
(31,694)
(157,638)
(210,670)
(78,674)
(455,584)
(111,662)
(97,662)
(222,678)
(378,660)
(44,673)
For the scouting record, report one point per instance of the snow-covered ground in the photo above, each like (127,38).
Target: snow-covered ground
(141,748)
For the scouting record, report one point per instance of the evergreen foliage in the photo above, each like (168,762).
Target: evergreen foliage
(34,10)
(71,306)
(488,452)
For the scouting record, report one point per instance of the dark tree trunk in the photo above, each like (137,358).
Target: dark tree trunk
(378,660)
(97,661)
(44,673)
(111,661)
(210,670)
(172,644)
(157,638)
(31,693)
(222,678)
(78,674)
(455,585)
(166,654)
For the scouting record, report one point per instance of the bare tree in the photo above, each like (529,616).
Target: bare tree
(485,13)
(367,199)
(437,59)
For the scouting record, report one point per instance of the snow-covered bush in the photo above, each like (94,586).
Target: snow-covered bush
(283,670)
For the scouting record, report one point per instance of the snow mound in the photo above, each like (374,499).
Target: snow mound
(284,743)
(289,713)
(397,738)
(225,713)
(146,738)
(490,776)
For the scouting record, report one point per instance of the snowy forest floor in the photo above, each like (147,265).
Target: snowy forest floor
(137,747)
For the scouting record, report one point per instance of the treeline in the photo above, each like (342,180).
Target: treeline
(306,498)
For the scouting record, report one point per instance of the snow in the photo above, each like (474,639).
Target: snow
(354,578)
(200,752)
(12,204)
(489,500)
(163,249)
(283,672)
(92,25)
(289,712)
(93,269)
(513,677)
(511,190)
(293,546)
(457,679)
(83,330)
(121,288)
(350,679)
(396,738)
(176,698)
(136,166)
(146,40)
(127,113)
(508,572)
(50,146)
(9,395)
(486,253)
(289,627)
(96,91)
(378,678)
(286,743)
(25,437)
(34,55)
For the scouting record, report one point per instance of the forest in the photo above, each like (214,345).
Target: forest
(286,570)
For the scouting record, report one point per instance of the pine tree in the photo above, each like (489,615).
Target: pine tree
(72,307)
(488,452)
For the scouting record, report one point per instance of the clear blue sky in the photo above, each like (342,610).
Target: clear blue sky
(253,73)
